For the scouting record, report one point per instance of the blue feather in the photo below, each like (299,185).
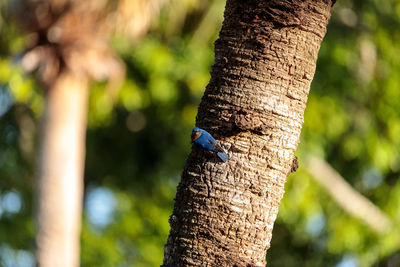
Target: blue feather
(223,156)
(205,140)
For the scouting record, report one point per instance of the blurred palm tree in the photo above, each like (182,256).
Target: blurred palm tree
(67,48)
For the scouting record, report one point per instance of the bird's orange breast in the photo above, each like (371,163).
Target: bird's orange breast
(194,136)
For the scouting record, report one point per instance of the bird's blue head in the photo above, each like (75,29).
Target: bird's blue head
(196,133)
(196,129)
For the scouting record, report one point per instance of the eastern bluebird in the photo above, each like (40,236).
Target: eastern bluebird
(205,140)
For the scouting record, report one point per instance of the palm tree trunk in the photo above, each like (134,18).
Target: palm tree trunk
(70,49)
(61,172)
(265,59)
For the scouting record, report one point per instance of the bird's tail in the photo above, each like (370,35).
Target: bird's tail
(223,156)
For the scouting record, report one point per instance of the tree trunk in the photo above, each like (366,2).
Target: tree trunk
(254,105)
(68,47)
(61,168)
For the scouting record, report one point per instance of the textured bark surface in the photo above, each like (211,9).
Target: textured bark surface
(61,170)
(254,105)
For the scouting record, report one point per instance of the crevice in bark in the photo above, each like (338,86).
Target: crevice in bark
(295,165)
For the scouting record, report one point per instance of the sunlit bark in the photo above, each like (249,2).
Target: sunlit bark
(265,59)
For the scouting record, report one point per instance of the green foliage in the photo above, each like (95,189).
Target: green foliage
(136,146)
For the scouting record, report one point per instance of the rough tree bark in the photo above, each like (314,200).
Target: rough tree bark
(265,59)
